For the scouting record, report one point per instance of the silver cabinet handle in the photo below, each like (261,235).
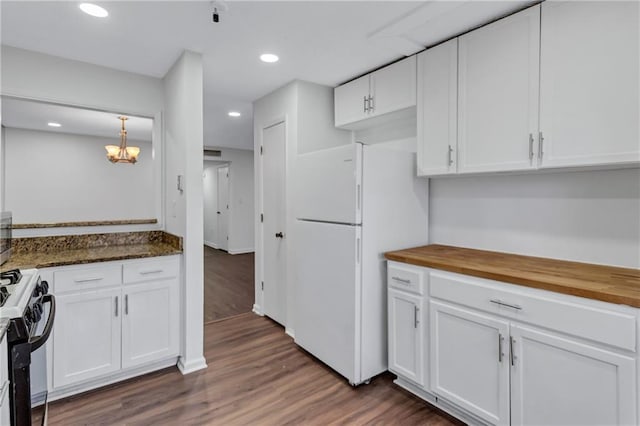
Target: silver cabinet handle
(450,155)
(151,271)
(86,280)
(540,148)
(508,305)
(416,321)
(512,356)
(371,104)
(364,104)
(126,304)
(401,280)
(116,305)
(530,146)
(500,339)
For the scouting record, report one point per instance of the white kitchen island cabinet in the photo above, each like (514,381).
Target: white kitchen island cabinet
(115,320)
(503,353)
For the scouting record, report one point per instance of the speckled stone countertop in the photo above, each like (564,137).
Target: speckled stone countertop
(4,324)
(46,252)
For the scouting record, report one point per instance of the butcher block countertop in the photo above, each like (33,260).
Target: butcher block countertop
(606,283)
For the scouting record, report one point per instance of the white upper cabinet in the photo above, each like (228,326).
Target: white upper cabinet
(498,94)
(589,83)
(388,90)
(437,109)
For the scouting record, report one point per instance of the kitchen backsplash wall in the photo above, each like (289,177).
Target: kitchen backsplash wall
(591,216)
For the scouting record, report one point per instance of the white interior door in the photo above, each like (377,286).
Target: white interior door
(223,208)
(273,229)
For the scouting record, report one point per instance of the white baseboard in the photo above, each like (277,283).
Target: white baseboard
(210,244)
(257,310)
(241,251)
(192,365)
(289,332)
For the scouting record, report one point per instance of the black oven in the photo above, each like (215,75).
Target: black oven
(26,337)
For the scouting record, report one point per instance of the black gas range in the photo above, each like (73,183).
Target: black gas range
(25,301)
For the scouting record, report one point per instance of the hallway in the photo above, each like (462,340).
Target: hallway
(228,284)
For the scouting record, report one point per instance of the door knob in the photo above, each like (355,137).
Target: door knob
(218,212)
(279,235)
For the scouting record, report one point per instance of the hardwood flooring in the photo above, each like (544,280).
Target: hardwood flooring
(256,375)
(228,284)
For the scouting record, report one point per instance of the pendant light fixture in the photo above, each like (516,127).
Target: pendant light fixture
(122,153)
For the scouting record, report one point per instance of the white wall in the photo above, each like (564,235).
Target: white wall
(591,216)
(34,75)
(210,202)
(60,177)
(183,123)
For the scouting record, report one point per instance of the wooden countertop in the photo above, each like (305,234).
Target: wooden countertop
(75,256)
(607,283)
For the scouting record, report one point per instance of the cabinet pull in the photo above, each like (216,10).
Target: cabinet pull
(512,356)
(371,104)
(450,155)
(401,280)
(508,305)
(116,305)
(86,280)
(540,148)
(530,146)
(150,271)
(416,321)
(126,304)
(500,339)
(364,104)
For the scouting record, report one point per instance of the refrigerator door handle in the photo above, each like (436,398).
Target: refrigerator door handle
(358,250)
(359,196)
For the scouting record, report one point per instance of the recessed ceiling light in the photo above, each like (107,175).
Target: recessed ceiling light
(234,114)
(53,124)
(94,10)
(269,57)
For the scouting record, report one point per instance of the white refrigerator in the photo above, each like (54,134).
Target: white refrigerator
(353,203)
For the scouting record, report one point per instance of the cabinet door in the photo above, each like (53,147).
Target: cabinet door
(498,94)
(469,365)
(5,411)
(437,109)
(589,89)
(406,336)
(351,102)
(556,380)
(393,87)
(150,322)
(86,336)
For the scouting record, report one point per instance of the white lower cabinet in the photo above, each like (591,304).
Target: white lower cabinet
(502,354)
(86,343)
(561,381)
(468,364)
(101,333)
(150,323)
(406,335)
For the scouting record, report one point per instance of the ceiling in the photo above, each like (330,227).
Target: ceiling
(326,42)
(24,114)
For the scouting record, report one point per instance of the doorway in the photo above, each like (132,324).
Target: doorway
(228,258)
(274,291)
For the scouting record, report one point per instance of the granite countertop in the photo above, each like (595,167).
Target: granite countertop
(46,252)
(4,324)
(600,282)
(47,259)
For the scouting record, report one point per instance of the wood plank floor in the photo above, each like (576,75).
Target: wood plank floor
(256,375)
(228,284)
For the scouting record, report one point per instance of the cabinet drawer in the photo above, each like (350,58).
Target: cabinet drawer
(405,278)
(153,269)
(589,319)
(87,277)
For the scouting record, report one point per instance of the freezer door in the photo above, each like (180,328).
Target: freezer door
(327,294)
(328,185)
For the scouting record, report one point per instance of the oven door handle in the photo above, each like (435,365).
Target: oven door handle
(40,340)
